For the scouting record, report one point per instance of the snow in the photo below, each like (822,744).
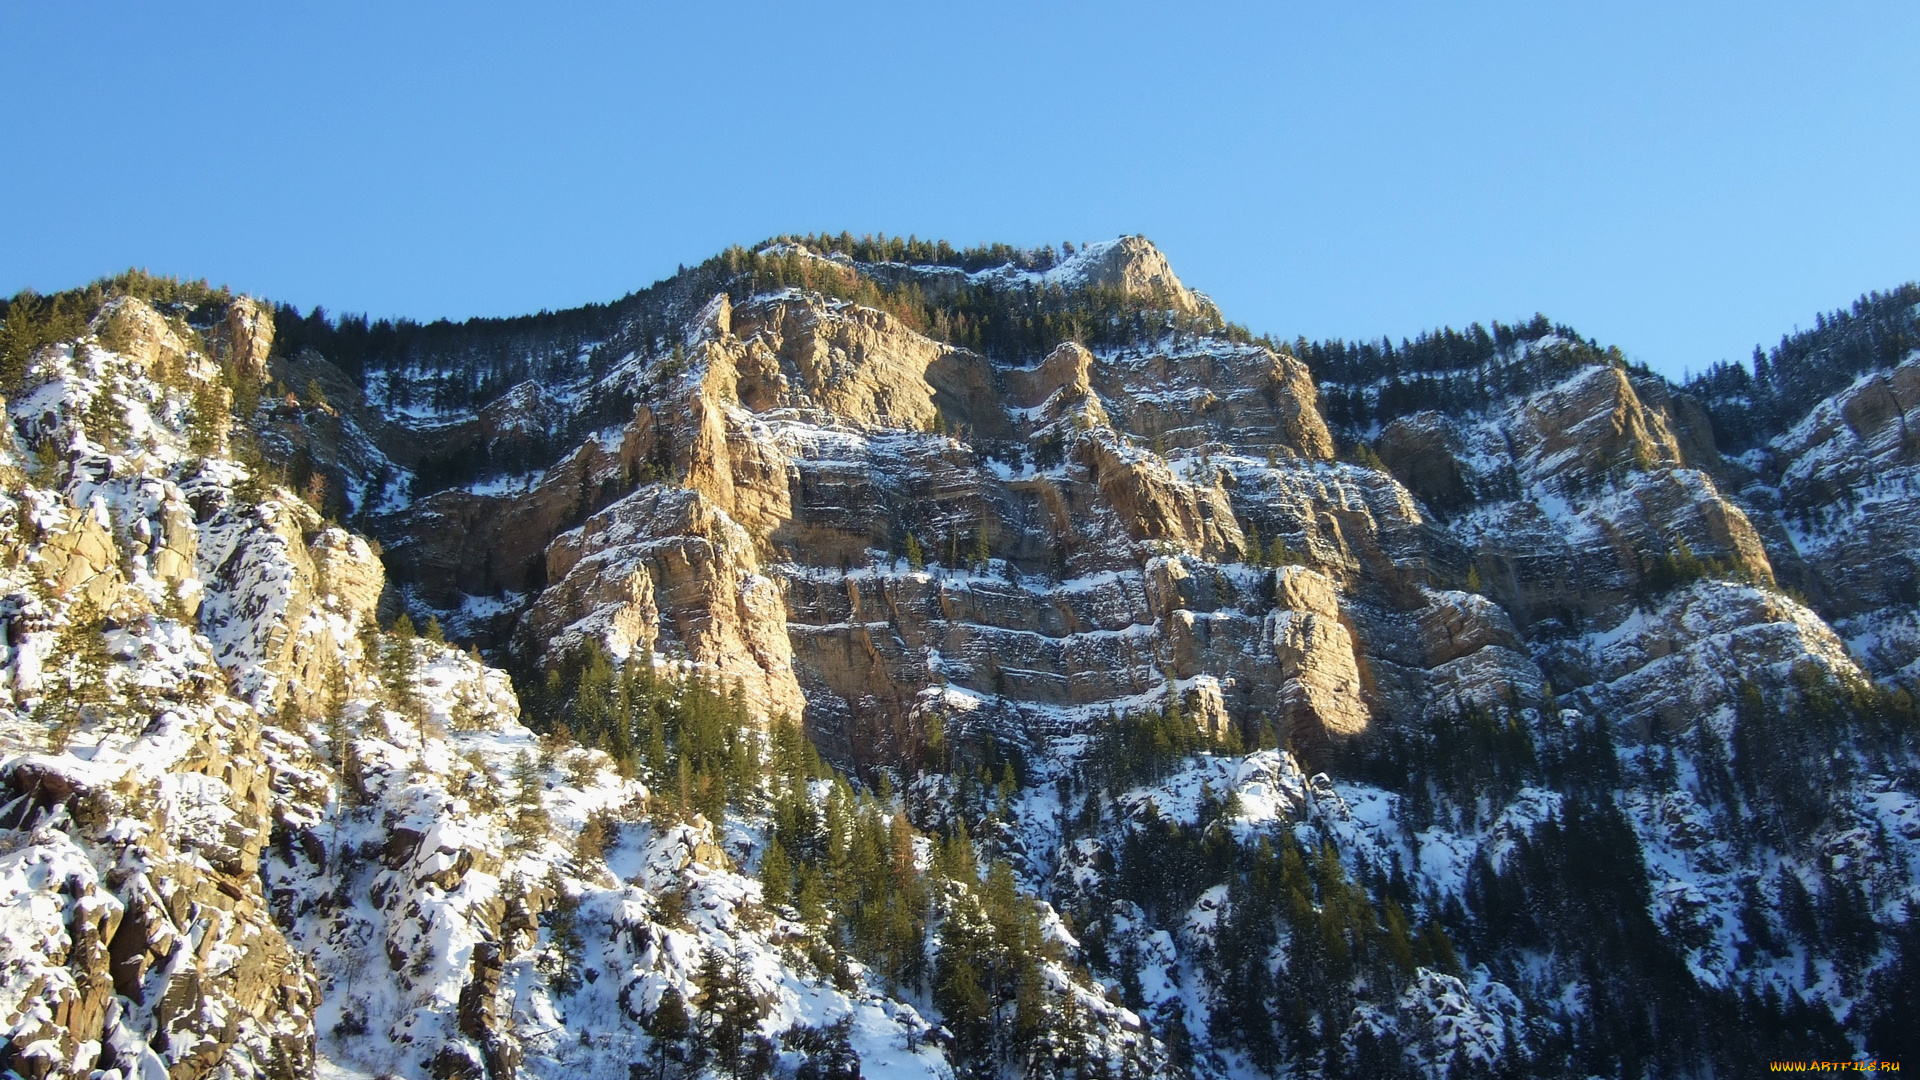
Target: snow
(421,858)
(443,863)
(589,1032)
(507,484)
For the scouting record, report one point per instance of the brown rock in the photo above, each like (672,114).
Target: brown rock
(1135,267)
(1323,687)
(1156,507)
(245,337)
(80,559)
(669,562)
(143,337)
(1589,425)
(347,572)
(1457,624)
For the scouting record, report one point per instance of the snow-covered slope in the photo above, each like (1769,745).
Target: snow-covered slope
(1178,731)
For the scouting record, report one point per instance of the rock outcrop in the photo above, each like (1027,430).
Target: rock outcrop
(244,338)
(1007,541)
(176,926)
(666,569)
(1687,660)
(1322,688)
(1134,267)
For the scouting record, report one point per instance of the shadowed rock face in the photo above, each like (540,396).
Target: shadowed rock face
(1566,496)
(1846,476)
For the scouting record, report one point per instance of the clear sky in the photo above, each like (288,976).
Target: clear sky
(1681,179)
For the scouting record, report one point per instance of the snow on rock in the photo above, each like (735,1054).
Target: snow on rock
(1684,660)
(245,832)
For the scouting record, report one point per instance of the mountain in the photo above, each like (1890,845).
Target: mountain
(859,656)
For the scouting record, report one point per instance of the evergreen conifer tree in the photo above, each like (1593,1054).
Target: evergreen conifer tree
(776,873)
(668,1029)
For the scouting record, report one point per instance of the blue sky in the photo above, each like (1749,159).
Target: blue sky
(1683,180)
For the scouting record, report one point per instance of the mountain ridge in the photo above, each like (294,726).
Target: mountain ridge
(1242,718)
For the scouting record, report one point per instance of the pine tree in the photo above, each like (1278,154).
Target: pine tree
(827,1053)
(668,1028)
(957,860)
(960,990)
(900,852)
(655,754)
(1440,947)
(76,691)
(811,896)
(1278,554)
(20,335)
(398,664)
(530,822)
(776,874)
(728,1012)
(560,961)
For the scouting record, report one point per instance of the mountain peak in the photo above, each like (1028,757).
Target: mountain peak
(1136,267)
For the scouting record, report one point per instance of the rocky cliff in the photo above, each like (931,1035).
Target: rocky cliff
(1288,733)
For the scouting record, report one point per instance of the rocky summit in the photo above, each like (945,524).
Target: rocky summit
(863,657)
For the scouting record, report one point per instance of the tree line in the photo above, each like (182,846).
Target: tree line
(1753,402)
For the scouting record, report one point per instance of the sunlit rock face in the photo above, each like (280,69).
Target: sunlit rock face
(973,526)
(1085,520)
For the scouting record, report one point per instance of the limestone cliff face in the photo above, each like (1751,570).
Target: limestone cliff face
(242,823)
(1844,477)
(460,543)
(666,569)
(1425,452)
(1589,425)
(1322,684)
(1567,498)
(1683,663)
(1245,396)
(797,437)
(803,425)
(1087,523)
(1158,508)
(1568,504)
(858,365)
(1833,493)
